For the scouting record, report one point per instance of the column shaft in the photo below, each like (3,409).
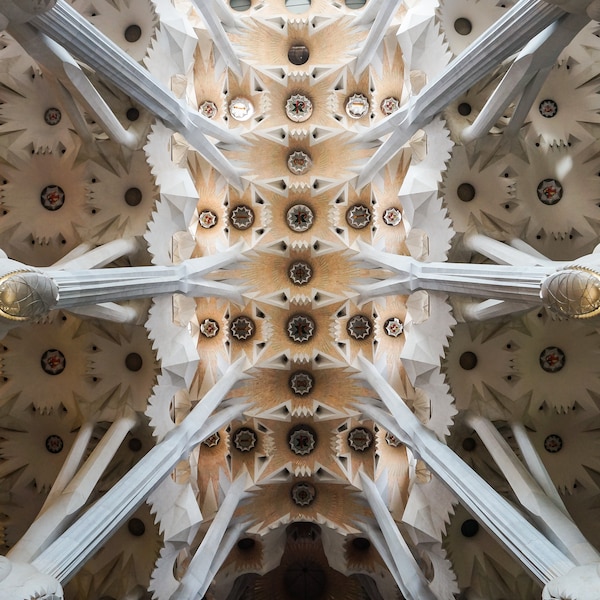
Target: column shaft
(539,556)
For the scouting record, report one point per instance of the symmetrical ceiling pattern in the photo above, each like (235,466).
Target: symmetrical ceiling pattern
(288,488)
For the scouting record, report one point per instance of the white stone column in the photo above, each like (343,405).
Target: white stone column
(532,549)
(522,284)
(384,17)
(536,466)
(89,257)
(215,546)
(218,35)
(60,510)
(413,584)
(557,526)
(505,37)
(532,65)
(501,253)
(467,311)
(110,311)
(65,556)
(68,28)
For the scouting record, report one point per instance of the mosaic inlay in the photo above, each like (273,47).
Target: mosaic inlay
(550,191)
(393,327)
(242,217)
(303,493)
(52,116)
(212,440)
(300,218)
(553,443)
(298,108)
(302,440)
(300,273)
(390,105)
(208,109)
(53,362)
(244,439)
(359,327)
(242,328)
(301,328)
(241,109)
(548,108)
(301,383)
(299,162)
(209,328)
(357,106)
(52,197)
(360,439)
(54,444)
(207,219)
(552,359)
(392,216)
(358,216)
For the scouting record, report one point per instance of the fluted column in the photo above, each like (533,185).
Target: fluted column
(57,513)
(385,15)
(72,549)
(522,284)
(413,584)
(213,549)
(505,37)
(68,28)
(538,555)
(557,526)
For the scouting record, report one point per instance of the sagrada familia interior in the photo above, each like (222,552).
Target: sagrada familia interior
(298,299)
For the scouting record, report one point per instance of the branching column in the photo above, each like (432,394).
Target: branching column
(413,584)
(73,548)
(539,556)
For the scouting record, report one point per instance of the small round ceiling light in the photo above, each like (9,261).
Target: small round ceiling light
(209,328)
(358,216)
(301,328)
(552,359)
(393,327)
(241,109)
(303,493)
(207,219)
(301,383)
(548,108)
(298,108)
(390,105)
(54,444)
(244,439)
(300,272)
(212,440)
(359,327)
(300,218)
(133,196)
(298,54)
(463,26)
(302,440)
(52,197)
(242,328)
(553,443)
(465,192)
(133,33)
(360,439)
(549,191)
(208,109)
(299,162)
(133,362)
(357,106)
(392,216)
(52,116)
(468,360)
(469,528)
(53,362)
(242,217)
